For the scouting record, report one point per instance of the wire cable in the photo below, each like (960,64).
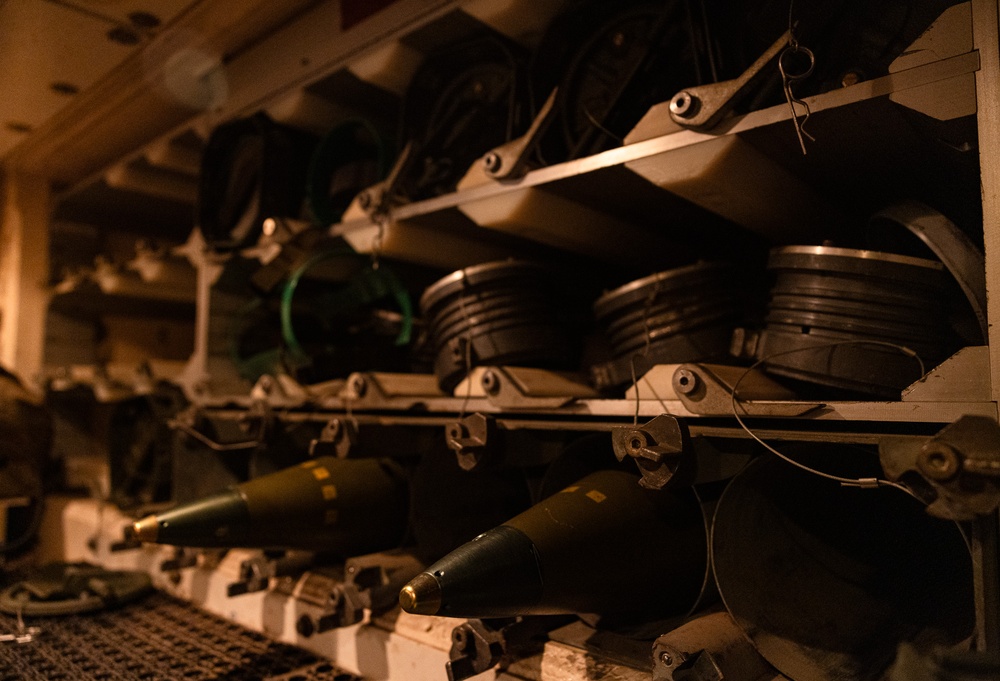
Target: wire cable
(212,444)
(863,483)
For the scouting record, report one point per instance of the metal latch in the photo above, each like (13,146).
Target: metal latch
(474,440)
(659,449)
(956,472)
(703,106)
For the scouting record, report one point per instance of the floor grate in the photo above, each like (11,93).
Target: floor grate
(158,638)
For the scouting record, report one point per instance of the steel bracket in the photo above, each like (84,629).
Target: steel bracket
(181,558)
(956,472)
(660,450)
(255,575)
(528,388)
(371,584)
(480,645)
(375,389)
(709,648)
(707,390)
(256,572)
(317,589)
(702,107)
(125,544)
(476,646)
(509,161)
(348,607)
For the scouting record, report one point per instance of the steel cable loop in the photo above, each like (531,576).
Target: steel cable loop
(864,483)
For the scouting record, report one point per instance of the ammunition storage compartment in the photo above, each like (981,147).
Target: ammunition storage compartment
(522,340)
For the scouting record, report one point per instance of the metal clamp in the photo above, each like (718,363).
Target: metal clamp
(474,440)
(956,472)
(376,200)
(256,572)
(509,161)
(702,107)
(371,584)
(255,575)
(709,648)
(275,392)
(659,449)
(477,645)
(181,558)
(337,438)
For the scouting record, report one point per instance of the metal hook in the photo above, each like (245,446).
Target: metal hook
(789,77)
(783,65)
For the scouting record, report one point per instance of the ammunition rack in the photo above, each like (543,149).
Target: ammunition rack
(634,201)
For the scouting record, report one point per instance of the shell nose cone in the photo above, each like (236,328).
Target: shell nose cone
(422,596)
(144,530)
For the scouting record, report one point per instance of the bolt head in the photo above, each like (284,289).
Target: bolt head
(491,382)
(850,78)
(637,439)
(684,104)
(492,162)
(685,381)
(939,462)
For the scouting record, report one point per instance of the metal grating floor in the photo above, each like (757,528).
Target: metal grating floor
(157,638)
